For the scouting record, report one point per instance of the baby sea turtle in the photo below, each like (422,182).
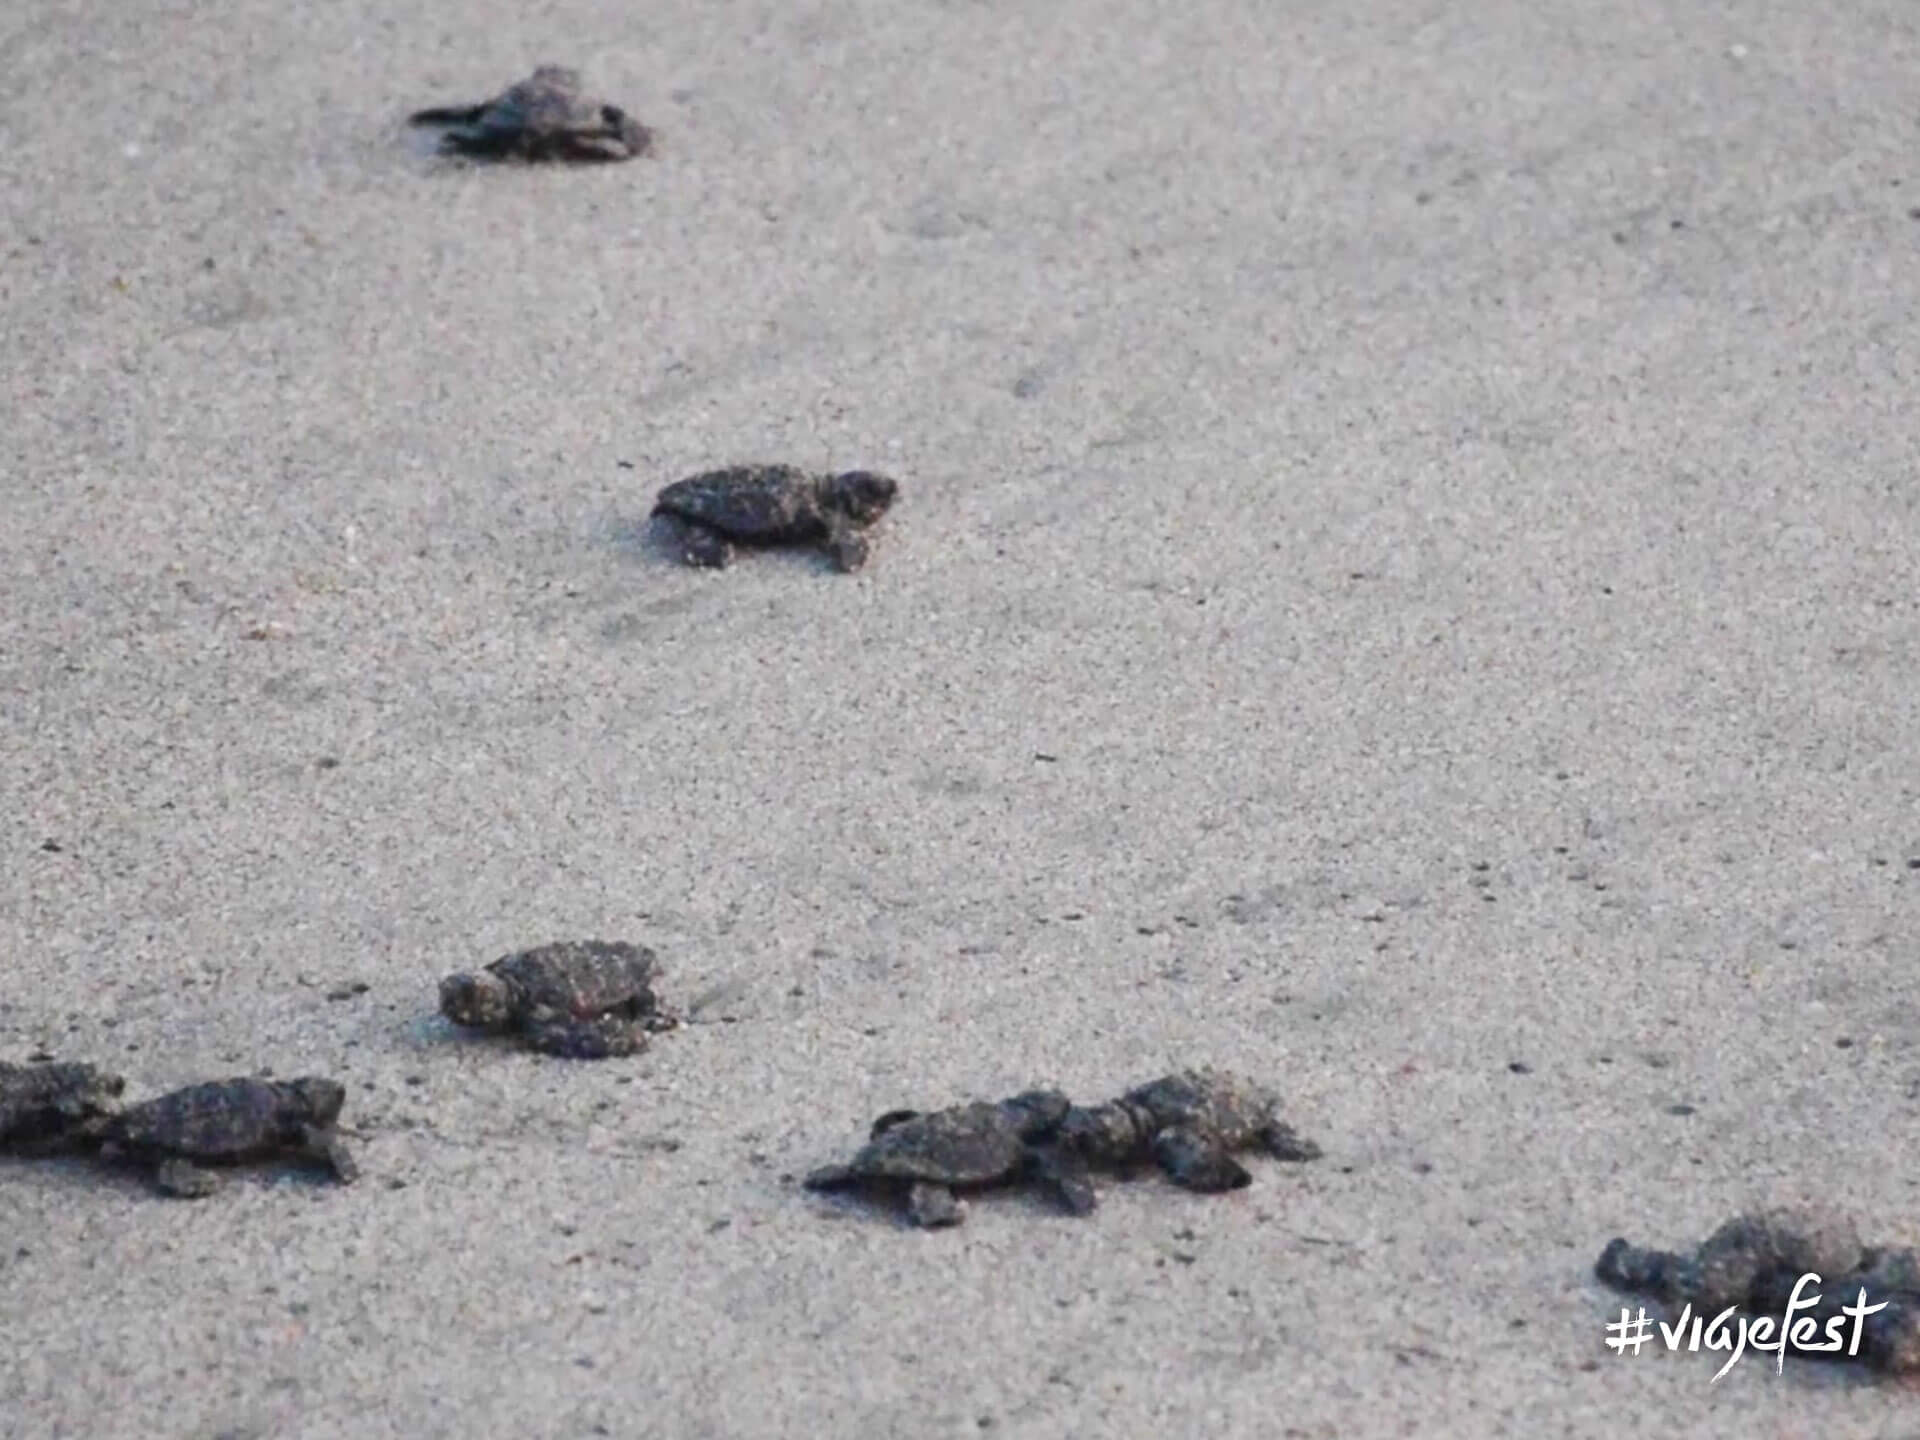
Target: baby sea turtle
(45,1105)
(1755,1262)
(229,1122)
(926,1157)
(764,505)
(1189,1123)
(578,999)
(543,117)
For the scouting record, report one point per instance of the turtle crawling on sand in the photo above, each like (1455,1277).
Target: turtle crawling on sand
(924,1158)
(1755,1262)
(577,999)
(766,505)
(45,1105)
(230,1122)
(543,117)
(1189,1123)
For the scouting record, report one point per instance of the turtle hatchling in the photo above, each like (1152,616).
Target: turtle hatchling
(577,999)
(1864,1306)
(768,505)
(1189,1123)
(924,1158)
(45,1105)
(544,117)
(231,1122)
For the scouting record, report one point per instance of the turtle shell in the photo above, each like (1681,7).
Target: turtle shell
(1222,1105)
(582,978)
(546,106)
(974,1144)
(769,503)
(228,1119)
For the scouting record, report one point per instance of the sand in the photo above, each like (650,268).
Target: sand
(1408,585)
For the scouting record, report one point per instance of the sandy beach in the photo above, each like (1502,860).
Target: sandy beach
(1406,584)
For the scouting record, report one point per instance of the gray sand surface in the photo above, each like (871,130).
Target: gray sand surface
(1437,484)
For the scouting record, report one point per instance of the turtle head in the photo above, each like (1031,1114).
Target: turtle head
(480,1000)
(319,1097)
(861,495)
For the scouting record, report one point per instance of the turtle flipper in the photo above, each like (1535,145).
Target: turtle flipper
(932,1206)
(447,115)
(847,546)
(1658,1272)
(1063,1175)
(830,1177)
(892,1118)
(326,1148)
(637,138)
(619,139)
(699,545)
(1197,1161)
(605,1038)
(1283,1142)
(183,1179)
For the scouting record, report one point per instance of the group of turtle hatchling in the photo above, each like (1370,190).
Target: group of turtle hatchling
(1189,1124)
(549,117)
(585,999)
(595,999)
(71,1105)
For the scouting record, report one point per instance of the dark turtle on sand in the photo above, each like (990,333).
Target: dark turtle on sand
(45,1105)
(543,117)
(764,505)
(578,999)
(924,1158)
(1189,1123)
(1757,1261)
(231,1122)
